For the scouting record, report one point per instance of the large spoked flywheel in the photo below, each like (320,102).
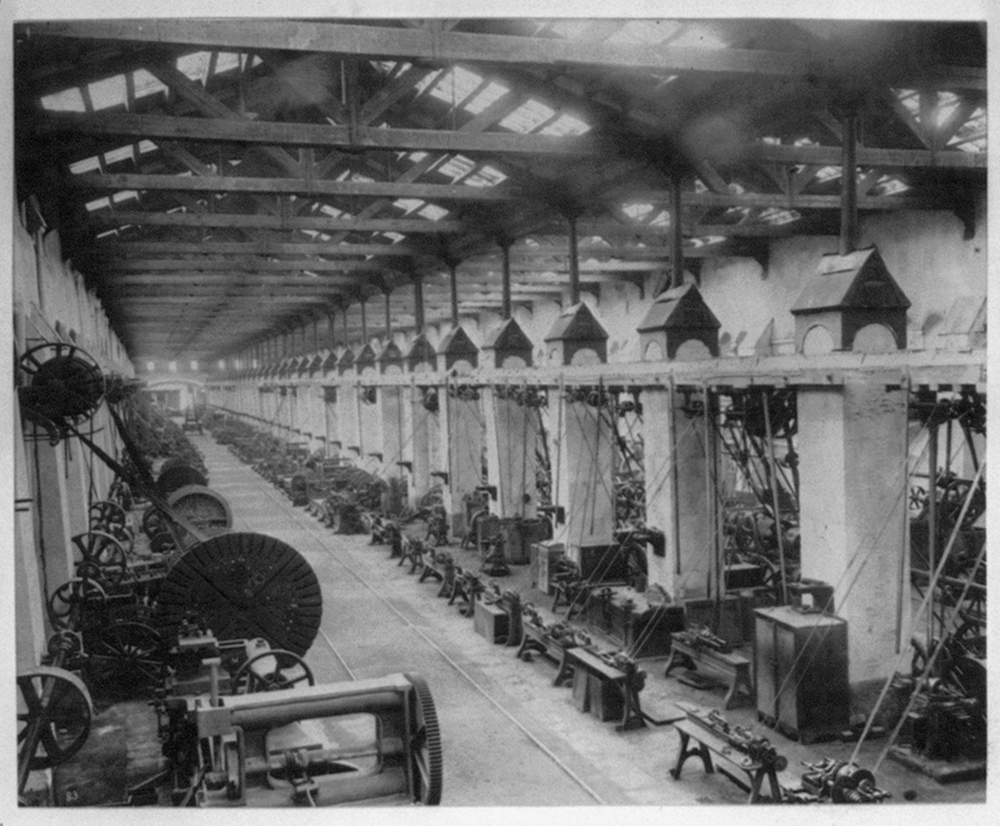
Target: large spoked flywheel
(241,586)
(65,384)
(426,760)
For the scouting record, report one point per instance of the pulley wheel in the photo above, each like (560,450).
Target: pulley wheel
(425,744)
(202,507)
(272,670)
(103,550)
(53,716)
(68,602)
(178,477)
(173,461)
(125,660)
(244,585)
(107,516)
(66,386)
(152,522)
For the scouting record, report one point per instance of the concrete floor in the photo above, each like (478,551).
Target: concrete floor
(510,737)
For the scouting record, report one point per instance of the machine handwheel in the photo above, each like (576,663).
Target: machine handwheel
(289,670)
(425,745)
(53,716)
(102,549)
(152,522)
(106,515)
(66,384)
(70,597)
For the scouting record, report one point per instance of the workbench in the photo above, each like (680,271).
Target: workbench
(735,667)
(605,691)
(710,743)
(534,639)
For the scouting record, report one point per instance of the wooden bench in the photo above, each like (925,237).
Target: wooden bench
(534,639)
(605,691)
(709,743)
(735,667)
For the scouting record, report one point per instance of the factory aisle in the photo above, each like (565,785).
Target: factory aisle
(509,736)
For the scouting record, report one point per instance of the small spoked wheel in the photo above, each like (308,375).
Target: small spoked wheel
(272,670)
(71,599)
(53,716)
(103,550)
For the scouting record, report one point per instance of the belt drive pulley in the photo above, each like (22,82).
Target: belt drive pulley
(244,585)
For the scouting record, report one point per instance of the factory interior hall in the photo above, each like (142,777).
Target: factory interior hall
(498,411)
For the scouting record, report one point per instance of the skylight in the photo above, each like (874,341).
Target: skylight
(146,84)
(427,80)
(779,216)
(527,117)
(99,203)
(433,212)
(226,61)
(888,185)
(68,100)
(457,167)
(485,98)
(195,65)
(108,92)
(637,211)
(698,37)
(86,165)
(487,176)
(407,204)
(569,28)
(417,157)
(456,86)
(565,125)
(395,237)
(645,31)
(828,173)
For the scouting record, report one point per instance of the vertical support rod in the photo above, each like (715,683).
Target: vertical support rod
(453,284)
(676,232)
(316,335)
(388,318)
(505,306)
(849,186)
(574,263)
(418,303)
(772,470)
(364,322)
(344,317)
(932,526)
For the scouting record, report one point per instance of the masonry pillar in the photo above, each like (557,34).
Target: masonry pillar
(584,473)
(461,421)
(511,436)
(852,466)
(676,502)
(52,508)
(332,423)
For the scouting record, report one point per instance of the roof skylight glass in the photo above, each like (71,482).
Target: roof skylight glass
(434,212)
(565,125)
(487,176)
(492,93)
(527,117)
(407,204)
(637,211)
(68,100)
(457,167)
(456,85)
(108,92)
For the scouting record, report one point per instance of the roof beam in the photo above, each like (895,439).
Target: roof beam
(437,140)
(320,224)
(437,46)
(312,134)
(242,265)
(294,186)
(127,249)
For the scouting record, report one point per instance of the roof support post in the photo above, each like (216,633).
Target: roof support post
(505,305)
(388,316)
(676,231)
(316,334)
(848,182)
(418,303)
(343,316)
(364,323)
(574,262)
(453,284)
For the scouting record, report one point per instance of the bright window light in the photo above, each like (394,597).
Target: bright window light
(637,210)
(146,84)
(435,213)
(565,125)
(395,237)
(86,165)
(122,153)
(194,365)
(125,195)
(417,157)
(150,366)
(527,117)
(100,203)
(427,80)
(490,95)
(645,31)
(487,176)
(108,92)
(408,204)
(457,167)
(68,100)
(147,146)
(172,366)
(226,62)
(456,85)
(828,173)
(195,66)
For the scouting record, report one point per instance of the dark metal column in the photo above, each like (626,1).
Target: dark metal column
(418,303)
(364,323)
(453,283)
(849,185)
(505,306)
(388,317)
(574,263)
(676,232)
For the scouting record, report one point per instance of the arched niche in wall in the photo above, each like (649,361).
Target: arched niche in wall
(462,368)
(874,338)
(513,363)
(393,370)
(817,341)
(653,352)
(693,350)
(585,356)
